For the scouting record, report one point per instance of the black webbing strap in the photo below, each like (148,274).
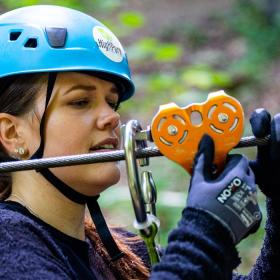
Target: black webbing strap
(51,81)
(103,230)
(63,188)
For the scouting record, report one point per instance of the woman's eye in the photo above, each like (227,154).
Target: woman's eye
(79,103)
(114,105)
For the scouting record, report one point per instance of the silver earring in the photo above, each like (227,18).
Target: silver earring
(20,151)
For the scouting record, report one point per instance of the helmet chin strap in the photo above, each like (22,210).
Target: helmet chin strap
(70,193)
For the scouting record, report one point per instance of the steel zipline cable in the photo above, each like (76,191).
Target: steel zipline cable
(118,155)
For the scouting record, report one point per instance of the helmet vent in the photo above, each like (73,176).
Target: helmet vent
(56,36)
(31,43)
(14,35)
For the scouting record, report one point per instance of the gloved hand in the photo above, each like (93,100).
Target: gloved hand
(230,197)
(266,167)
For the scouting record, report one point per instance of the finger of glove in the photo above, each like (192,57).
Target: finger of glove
(275,139)
(203,162)
(260,122)
(261,126)
(237,165)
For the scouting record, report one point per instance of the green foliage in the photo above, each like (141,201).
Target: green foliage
(153,49)
(205,78)
(126,23)
(143,49)
(161,82)
(132,19)
(168,52)
(261,33)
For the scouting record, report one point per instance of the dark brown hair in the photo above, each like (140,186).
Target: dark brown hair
(17,97)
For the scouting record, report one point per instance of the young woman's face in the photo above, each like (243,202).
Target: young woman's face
(81,118)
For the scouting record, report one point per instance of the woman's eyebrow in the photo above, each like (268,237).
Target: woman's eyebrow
(114,89)
(83,87)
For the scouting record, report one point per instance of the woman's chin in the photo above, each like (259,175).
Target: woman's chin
(102,178)
(90,181)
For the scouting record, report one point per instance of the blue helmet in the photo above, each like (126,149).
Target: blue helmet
(48,38)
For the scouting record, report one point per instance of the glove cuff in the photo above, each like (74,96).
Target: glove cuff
(212,230)
(231,233)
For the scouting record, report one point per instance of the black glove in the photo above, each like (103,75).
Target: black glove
(266,167)
(230,197)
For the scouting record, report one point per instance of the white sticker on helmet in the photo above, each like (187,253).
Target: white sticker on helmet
(108,43)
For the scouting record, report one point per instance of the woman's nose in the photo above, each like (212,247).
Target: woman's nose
(108,118)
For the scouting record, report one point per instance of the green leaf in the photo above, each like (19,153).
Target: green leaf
(161,82)
(132,19)
(148,44)
(143,49)
(205,78)
(221,79)
(168,52)
(197,78)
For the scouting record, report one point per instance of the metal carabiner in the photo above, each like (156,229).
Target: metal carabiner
(130,144)
(146,223)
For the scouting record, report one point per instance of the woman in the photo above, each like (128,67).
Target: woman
(63,75)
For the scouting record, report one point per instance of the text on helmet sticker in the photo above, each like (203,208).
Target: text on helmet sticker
(108,43)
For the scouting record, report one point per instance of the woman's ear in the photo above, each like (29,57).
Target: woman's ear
(11,136)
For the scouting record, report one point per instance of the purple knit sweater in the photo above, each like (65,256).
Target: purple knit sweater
(199,248)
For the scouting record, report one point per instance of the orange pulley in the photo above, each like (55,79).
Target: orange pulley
(177,131)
